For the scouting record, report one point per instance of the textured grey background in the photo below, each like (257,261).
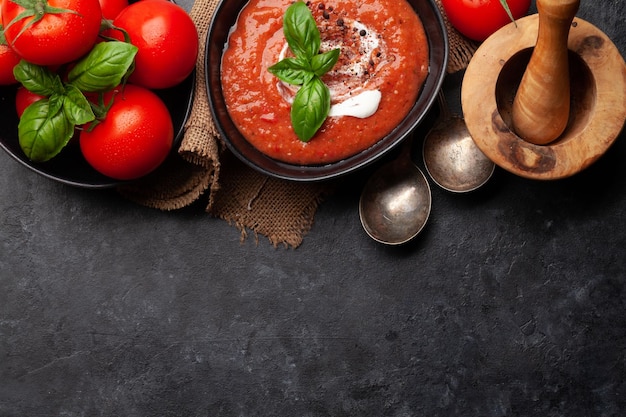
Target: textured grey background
(511,303)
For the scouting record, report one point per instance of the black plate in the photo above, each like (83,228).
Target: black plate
(225,17)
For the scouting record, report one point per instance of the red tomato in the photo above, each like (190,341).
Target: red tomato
(8,58)
(57,38)
(478,19)
(134,138)
(166,38)
(23,99)
(111,8)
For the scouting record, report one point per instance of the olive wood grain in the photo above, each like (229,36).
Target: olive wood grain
(598,100)
(542,104)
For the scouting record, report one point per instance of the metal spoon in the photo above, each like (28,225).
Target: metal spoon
(451,157)
(395,202)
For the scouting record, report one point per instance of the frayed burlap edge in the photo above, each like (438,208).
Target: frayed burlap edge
(281,210)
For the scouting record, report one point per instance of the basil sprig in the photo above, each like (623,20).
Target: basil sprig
(47,125)
(311,104)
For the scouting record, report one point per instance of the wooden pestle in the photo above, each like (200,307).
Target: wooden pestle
(541,106)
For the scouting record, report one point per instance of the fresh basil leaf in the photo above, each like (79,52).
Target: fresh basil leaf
(76,107)
(301,32)
(55,104)
(42,136)
(322,63)
(37,79)
(292,70)
(310,108)
(311,103)
(104,67)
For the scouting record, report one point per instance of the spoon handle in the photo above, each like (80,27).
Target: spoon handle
(541,106)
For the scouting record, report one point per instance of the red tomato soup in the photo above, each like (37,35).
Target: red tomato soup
(384,60)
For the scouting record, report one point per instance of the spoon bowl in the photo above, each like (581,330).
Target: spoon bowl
(451,157)
(395,203)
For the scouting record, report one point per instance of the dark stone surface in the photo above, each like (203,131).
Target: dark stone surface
(511,303)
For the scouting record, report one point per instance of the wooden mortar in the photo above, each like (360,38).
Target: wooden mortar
(597,102)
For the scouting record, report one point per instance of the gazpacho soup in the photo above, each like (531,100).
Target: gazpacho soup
(382,65)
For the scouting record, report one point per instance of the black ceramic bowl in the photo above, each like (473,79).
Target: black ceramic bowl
(225,17)
(69,166)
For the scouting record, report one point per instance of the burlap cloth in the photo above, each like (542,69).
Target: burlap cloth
(205,172)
